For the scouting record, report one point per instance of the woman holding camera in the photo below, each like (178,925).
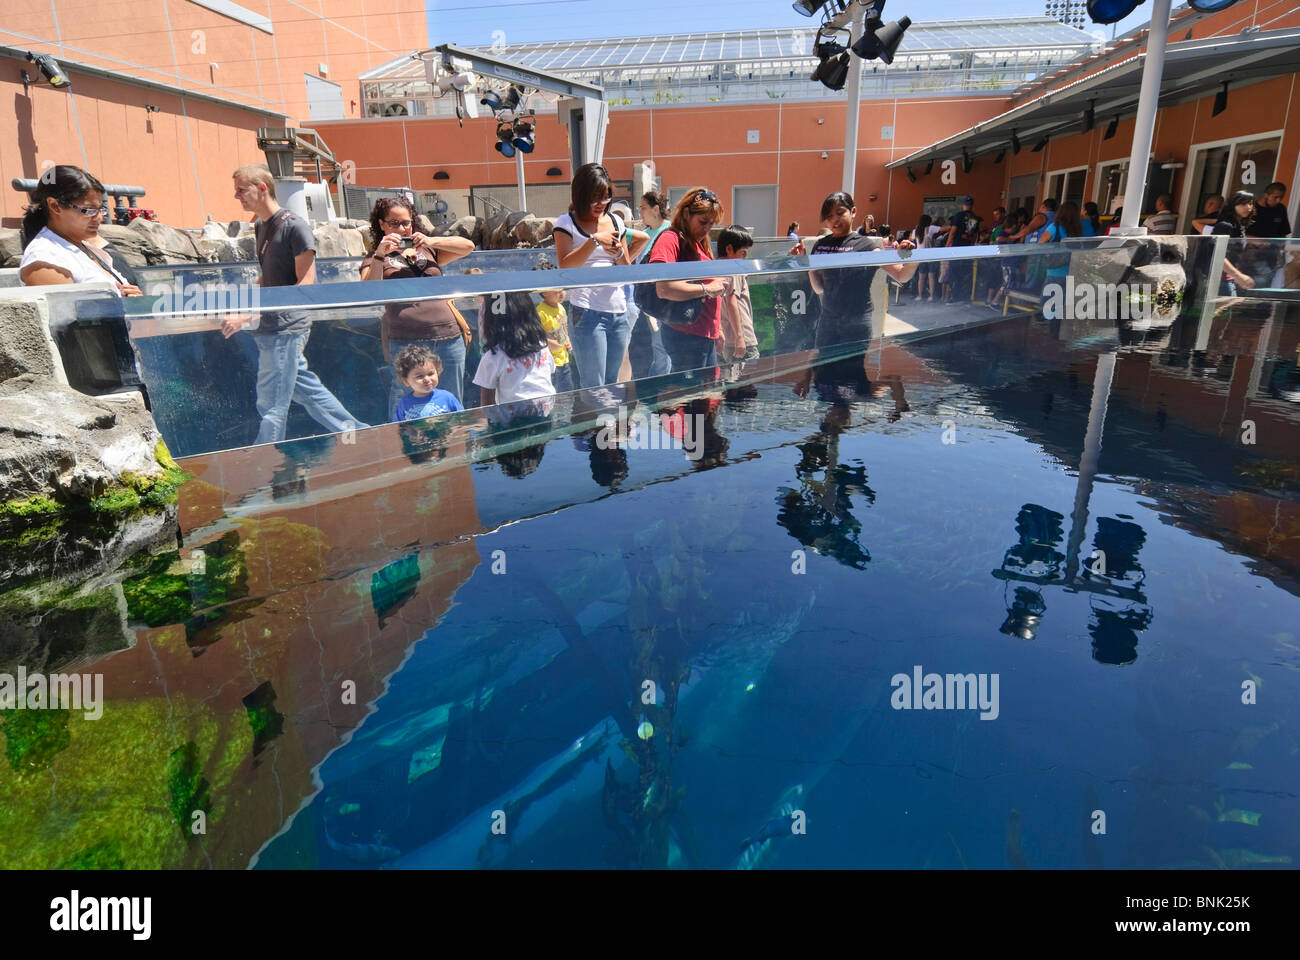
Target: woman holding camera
(401,252)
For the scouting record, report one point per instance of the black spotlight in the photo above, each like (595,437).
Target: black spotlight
(966,161)
(911,176)
(50,69)
(1039,145)
(1111,127)
(808,7)
(523,136)
(1015,143)
(833,70)
(1089,116)
(1220,100)
(1111,11)
(505,140)
(929,166)
(881,40)
(491,100)
(1001,154)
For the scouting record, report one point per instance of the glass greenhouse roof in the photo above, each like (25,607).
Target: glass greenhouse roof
(944,36)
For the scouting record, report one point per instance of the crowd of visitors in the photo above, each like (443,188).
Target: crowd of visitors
(532,346)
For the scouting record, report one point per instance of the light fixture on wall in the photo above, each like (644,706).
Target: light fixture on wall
(929,166)
(554,172)
(50,70)
(442,175)
(1040,144)
(1089,116)
(1001,153)
(1111,127)
(1015,143)
(911,177)
(1220,100)
(966,161)
(150,108)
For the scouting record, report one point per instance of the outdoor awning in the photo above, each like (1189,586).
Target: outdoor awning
(1193,69)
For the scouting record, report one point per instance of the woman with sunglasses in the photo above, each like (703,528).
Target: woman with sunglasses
(403,252)
(590,236)
(60,232)
(1237,214)
(694,345)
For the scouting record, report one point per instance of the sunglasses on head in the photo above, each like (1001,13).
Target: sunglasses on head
(706,195)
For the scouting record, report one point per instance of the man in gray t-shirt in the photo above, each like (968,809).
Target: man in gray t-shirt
(286,251)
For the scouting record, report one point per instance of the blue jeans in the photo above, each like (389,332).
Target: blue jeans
(599,340)
(451,351)
(283,377)
(687,351)
(562,378)
(645,350)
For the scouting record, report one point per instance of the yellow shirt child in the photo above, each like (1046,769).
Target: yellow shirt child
(555,322)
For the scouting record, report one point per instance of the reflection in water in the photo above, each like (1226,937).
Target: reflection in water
(643,682)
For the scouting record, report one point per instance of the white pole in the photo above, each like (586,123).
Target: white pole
(519,176)
(855,101)
(1144,124)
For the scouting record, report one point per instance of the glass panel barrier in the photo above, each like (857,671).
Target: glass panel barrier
(204,385)
(367,647)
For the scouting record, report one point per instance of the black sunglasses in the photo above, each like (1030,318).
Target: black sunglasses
(707,195)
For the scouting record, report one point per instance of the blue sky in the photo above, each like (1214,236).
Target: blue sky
(473,22)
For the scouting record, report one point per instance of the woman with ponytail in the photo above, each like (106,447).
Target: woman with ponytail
(60,232)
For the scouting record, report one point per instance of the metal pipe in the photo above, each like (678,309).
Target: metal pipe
(519,175)
(1144,123)
(27,185)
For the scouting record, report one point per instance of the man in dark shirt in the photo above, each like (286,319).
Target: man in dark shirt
(1270,222)
(963,230)
(286,251)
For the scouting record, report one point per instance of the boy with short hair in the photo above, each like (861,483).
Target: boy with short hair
(739,343)
(419,367)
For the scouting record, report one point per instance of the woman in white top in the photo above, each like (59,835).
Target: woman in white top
(587,236)
(59,231)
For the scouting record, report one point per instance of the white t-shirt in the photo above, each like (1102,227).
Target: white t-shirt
(516,378)
(931,232)
(604,299)
(48,247)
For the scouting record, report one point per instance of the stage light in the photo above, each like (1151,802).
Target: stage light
(1001,154)
(1039,145)
(911,177)
(523,136)
(1015,143)
(880,41)
(1111,128)
(928,167)
(50,69)
(1089,116)
(808,7)
(1111,11)
(505,144)
(966,161)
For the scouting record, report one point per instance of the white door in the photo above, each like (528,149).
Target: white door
(324,99)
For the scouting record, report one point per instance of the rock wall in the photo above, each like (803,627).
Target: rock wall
(147,243)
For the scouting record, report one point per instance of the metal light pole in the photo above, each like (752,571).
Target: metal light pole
(1144,123)
(519,175)
(858,11)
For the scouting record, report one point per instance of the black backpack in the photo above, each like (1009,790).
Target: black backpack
(675,313)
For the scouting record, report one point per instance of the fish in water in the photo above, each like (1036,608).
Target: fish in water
(368,854)
(1015,855)
(756,847)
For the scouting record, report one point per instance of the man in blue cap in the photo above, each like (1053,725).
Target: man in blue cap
(963,230)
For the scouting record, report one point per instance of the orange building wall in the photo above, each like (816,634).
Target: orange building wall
(690,145)
(183,154)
